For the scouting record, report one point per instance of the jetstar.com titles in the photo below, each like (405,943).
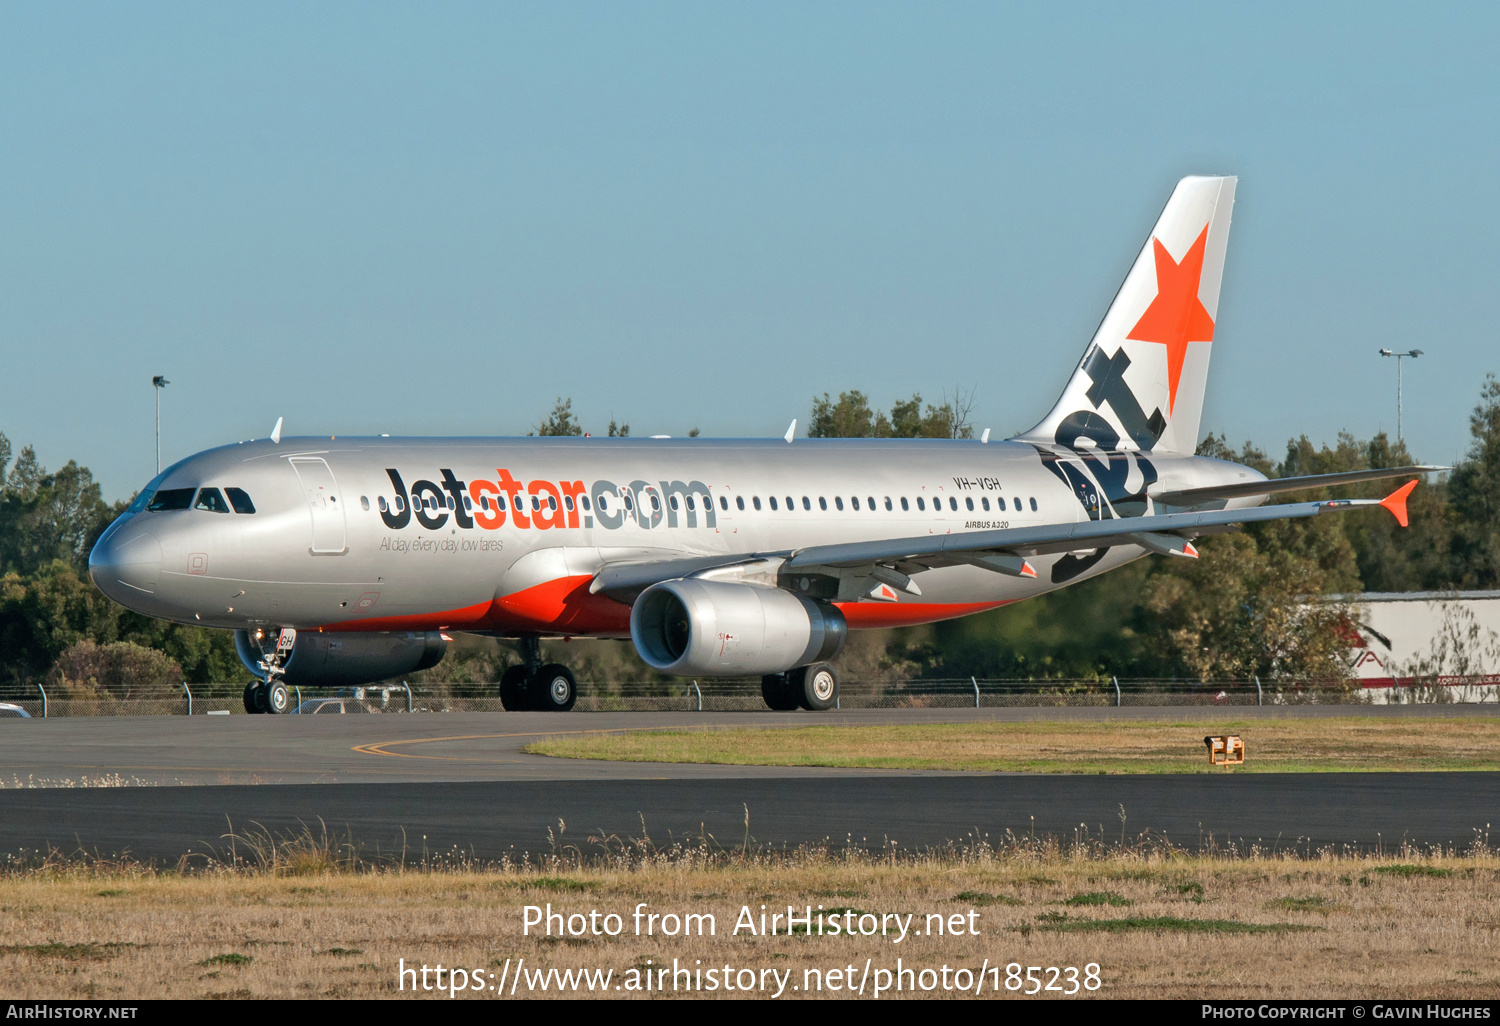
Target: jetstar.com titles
(540,505)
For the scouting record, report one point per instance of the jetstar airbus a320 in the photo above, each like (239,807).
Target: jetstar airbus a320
(344,561)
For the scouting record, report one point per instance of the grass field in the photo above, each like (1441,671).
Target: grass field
(1272,746)
(1157,926)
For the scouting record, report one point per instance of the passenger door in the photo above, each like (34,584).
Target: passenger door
(325,503)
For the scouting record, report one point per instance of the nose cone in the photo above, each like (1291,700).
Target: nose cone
(126,564)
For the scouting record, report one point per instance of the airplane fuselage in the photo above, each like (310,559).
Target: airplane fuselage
(505,536)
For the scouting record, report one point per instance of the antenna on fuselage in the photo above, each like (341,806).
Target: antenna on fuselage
(276,432)
(791,431)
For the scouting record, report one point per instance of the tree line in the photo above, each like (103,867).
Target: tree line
(1242,609)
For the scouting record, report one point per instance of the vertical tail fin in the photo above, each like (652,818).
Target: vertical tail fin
(1140,384)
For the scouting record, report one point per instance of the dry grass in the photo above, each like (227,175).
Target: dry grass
(310,920)
(1272,746)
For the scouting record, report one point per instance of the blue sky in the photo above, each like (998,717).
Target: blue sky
(435,218)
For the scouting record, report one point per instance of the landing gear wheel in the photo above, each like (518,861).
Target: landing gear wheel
(554,688)
(816,687)
(777,694)
(513,690)
(278,698)
(255,697)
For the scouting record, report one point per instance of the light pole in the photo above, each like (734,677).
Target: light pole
(1413,353)
(159,383)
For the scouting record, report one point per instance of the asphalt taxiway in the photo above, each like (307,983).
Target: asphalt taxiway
(404,785)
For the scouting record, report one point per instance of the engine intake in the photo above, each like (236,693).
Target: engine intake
(720,629)
(345,659)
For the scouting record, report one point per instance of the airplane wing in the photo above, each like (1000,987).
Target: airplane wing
(1003,551)
(1087,534)
(1271,486)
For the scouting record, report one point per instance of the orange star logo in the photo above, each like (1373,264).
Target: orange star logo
(1176,316)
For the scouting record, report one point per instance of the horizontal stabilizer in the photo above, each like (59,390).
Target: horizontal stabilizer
(1272,486)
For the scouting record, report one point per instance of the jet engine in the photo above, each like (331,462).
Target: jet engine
(345,659)
(722,629)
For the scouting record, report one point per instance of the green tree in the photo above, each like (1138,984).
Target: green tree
(850,416)
(1474,492)
(47,516)
(1239,611)
(120,670)
(560,422)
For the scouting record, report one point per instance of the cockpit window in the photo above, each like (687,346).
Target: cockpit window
(211,500)
(171,498)
(240,500)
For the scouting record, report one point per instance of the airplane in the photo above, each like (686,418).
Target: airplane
(345,561)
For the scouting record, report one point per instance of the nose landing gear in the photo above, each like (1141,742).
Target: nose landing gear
(271,695)
(533,686)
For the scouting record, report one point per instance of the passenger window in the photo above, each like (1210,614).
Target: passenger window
(239,500)
(887,504)
(723,502)
(655,502)
(690,504)
(872,503)
(953,504)
(603,504)
(838,502)
(500,502)
(364,502)
(551,503)
(904,507)
(467,504)
(211,500)
(739,502)
(756,503)
(1033,504)
(822,503)
(985,502)
(536,503)
(773,503)
(806,502)
(1000,503)
(789,504)
(168,499)
(380,504)
(630,502)
(969,502)
(854,502)
(921,504)
(585,500)
(673,501)
(567,503)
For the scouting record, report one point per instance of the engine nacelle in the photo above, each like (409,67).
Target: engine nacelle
(345,659)
(720,629)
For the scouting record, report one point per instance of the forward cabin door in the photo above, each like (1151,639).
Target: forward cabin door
(325,504)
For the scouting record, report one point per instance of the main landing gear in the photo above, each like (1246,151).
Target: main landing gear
(814,687)
(537,687)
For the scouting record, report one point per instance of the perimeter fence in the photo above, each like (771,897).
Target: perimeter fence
(744,695)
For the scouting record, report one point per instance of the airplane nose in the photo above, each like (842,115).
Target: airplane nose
(126,563)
